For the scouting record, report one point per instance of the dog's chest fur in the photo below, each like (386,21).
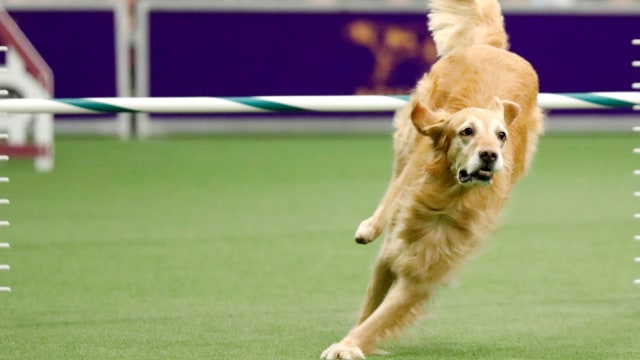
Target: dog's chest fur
(437,227)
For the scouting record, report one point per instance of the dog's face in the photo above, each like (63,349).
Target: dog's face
(476,138)
(473,138)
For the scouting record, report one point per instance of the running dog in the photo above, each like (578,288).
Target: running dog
(467,135)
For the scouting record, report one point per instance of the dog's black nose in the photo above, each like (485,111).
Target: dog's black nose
(488,156)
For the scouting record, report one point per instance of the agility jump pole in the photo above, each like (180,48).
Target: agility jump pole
(261,104)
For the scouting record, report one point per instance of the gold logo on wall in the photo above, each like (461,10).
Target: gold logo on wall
(394,49)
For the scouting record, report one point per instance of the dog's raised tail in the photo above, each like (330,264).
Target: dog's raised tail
(461,23)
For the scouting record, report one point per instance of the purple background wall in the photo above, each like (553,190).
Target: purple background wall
(78,45)
(242,54)
(578,53)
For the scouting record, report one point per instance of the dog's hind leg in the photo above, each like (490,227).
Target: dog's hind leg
(402,306)
(381,280)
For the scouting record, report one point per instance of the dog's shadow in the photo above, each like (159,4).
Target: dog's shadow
(451,350)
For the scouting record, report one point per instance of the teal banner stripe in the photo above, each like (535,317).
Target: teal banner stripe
(95,106)
(401,97)
(601,100)
(266,104)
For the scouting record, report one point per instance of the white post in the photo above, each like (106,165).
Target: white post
(43,137)
(636,86)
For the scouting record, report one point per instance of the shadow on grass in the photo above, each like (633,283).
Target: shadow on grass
(464,349)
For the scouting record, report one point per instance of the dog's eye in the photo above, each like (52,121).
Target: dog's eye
(466,131)
(502,136)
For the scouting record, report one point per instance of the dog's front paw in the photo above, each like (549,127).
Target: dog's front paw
(367,231)
(345,349)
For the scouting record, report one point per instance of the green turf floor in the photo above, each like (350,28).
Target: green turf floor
(241,248)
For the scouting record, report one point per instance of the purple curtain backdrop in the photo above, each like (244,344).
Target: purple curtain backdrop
(78,45)
(244,54)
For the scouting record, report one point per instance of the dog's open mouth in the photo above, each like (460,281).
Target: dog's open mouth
(482,175)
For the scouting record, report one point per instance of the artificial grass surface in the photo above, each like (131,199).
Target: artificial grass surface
(241,247)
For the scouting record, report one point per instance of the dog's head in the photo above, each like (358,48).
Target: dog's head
(473,138)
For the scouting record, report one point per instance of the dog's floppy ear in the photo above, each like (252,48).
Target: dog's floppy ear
(508,108)
(427,122)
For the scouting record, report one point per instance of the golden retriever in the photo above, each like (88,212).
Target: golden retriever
(467,135)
